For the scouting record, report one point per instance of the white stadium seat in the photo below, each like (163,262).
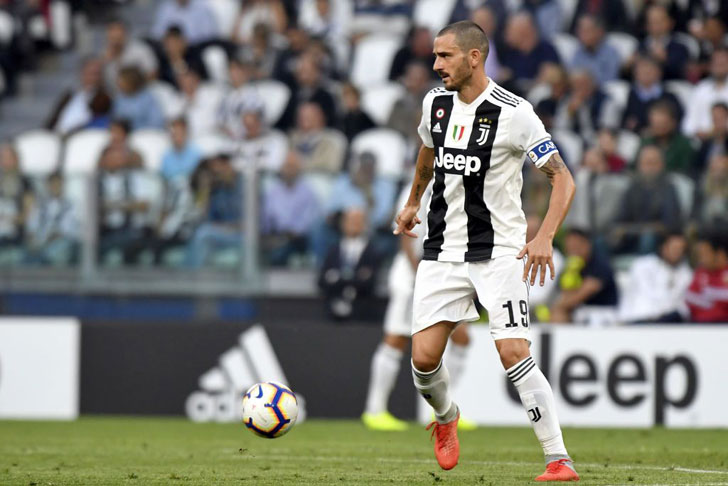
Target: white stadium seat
(225,13)
(389,148)
(568,8)
(275,96)
(690,43)
(628,143)
(618,91)
(151,144)
(433,14)
(566,45)
(39,152)
(212,144)
(373,57)
(571,145)
(7,27)
(685,188)
(321,184)
(683,90)
(83,150)
(168,98)
(216,63)
(378,101)
(624,43)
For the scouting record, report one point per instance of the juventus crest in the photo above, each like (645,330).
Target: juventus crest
(484,127)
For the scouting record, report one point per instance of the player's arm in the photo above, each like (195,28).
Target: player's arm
(407,217)
(540,249)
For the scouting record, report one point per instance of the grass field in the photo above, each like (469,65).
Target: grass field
(141,451)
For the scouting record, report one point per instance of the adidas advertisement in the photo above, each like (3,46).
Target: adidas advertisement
(635,376)
(201,369)
(39,368)
(220,397)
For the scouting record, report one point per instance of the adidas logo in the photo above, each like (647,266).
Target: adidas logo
(220,397)
(436,128)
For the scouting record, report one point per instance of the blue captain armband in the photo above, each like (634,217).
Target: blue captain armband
(541,150)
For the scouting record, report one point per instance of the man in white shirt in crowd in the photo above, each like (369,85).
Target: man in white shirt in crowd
(122,51)
(655,290)
(708,92)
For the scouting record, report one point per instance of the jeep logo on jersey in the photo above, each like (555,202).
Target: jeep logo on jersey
(457,164)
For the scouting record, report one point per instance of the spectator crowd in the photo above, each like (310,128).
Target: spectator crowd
(635,94)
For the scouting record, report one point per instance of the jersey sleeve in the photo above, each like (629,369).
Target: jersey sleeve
(528,135)
(424,129)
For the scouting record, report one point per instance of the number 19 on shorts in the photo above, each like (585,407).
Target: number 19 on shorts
(523,307)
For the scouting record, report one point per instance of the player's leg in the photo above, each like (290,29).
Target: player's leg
(443,297)
(505,296)
(385,368)
(430,374)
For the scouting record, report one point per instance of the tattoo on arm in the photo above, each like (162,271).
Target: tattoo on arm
(425,173)
(553,166)
(418,191)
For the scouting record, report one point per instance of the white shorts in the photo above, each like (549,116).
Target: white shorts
(398,318)
(445,291)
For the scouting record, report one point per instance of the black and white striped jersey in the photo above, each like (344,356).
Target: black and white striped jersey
(475,211)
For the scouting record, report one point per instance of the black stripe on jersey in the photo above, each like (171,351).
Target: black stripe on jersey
(503,99)
(480,228)
(506,95)
(438,205)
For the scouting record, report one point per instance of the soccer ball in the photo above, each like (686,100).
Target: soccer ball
(269,409)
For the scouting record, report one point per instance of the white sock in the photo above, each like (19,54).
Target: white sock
(384,370)
(538,400)
(434,388)
(455,356)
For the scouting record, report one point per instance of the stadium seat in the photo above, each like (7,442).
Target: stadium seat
(7,27)
(216,63)
(169,99)
(212,144)
(433,14)
(39,152)
(321,184)
(618,91)
(566,45)
(683,90)
(685,188)
(628,143)
(60,18)
(690,43)
(571,145)
(388,147)
(151,145)
(83,150)
(624,43)
(378,101)
(275,96)
(568,8)
(225,12)
(380,48)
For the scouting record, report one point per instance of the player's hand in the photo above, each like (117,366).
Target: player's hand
(540,254)
(406,221)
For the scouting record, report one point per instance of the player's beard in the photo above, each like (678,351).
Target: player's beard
(460,77)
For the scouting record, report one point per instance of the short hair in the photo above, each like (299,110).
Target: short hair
(598,22)
(665,105)
(174,31)
(182,121)
(579,231)
(122,123)
(468,35)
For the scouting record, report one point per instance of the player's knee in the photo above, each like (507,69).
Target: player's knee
(424,362)
(512,351)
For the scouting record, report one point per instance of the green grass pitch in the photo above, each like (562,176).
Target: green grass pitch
(142,451)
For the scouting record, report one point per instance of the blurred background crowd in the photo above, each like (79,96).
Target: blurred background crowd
(278,134)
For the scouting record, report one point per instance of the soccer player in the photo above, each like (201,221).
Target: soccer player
(475,138)
(397,332)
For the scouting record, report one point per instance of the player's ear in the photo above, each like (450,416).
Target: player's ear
(474,56)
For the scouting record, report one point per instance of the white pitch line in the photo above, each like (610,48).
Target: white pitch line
(500,463)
